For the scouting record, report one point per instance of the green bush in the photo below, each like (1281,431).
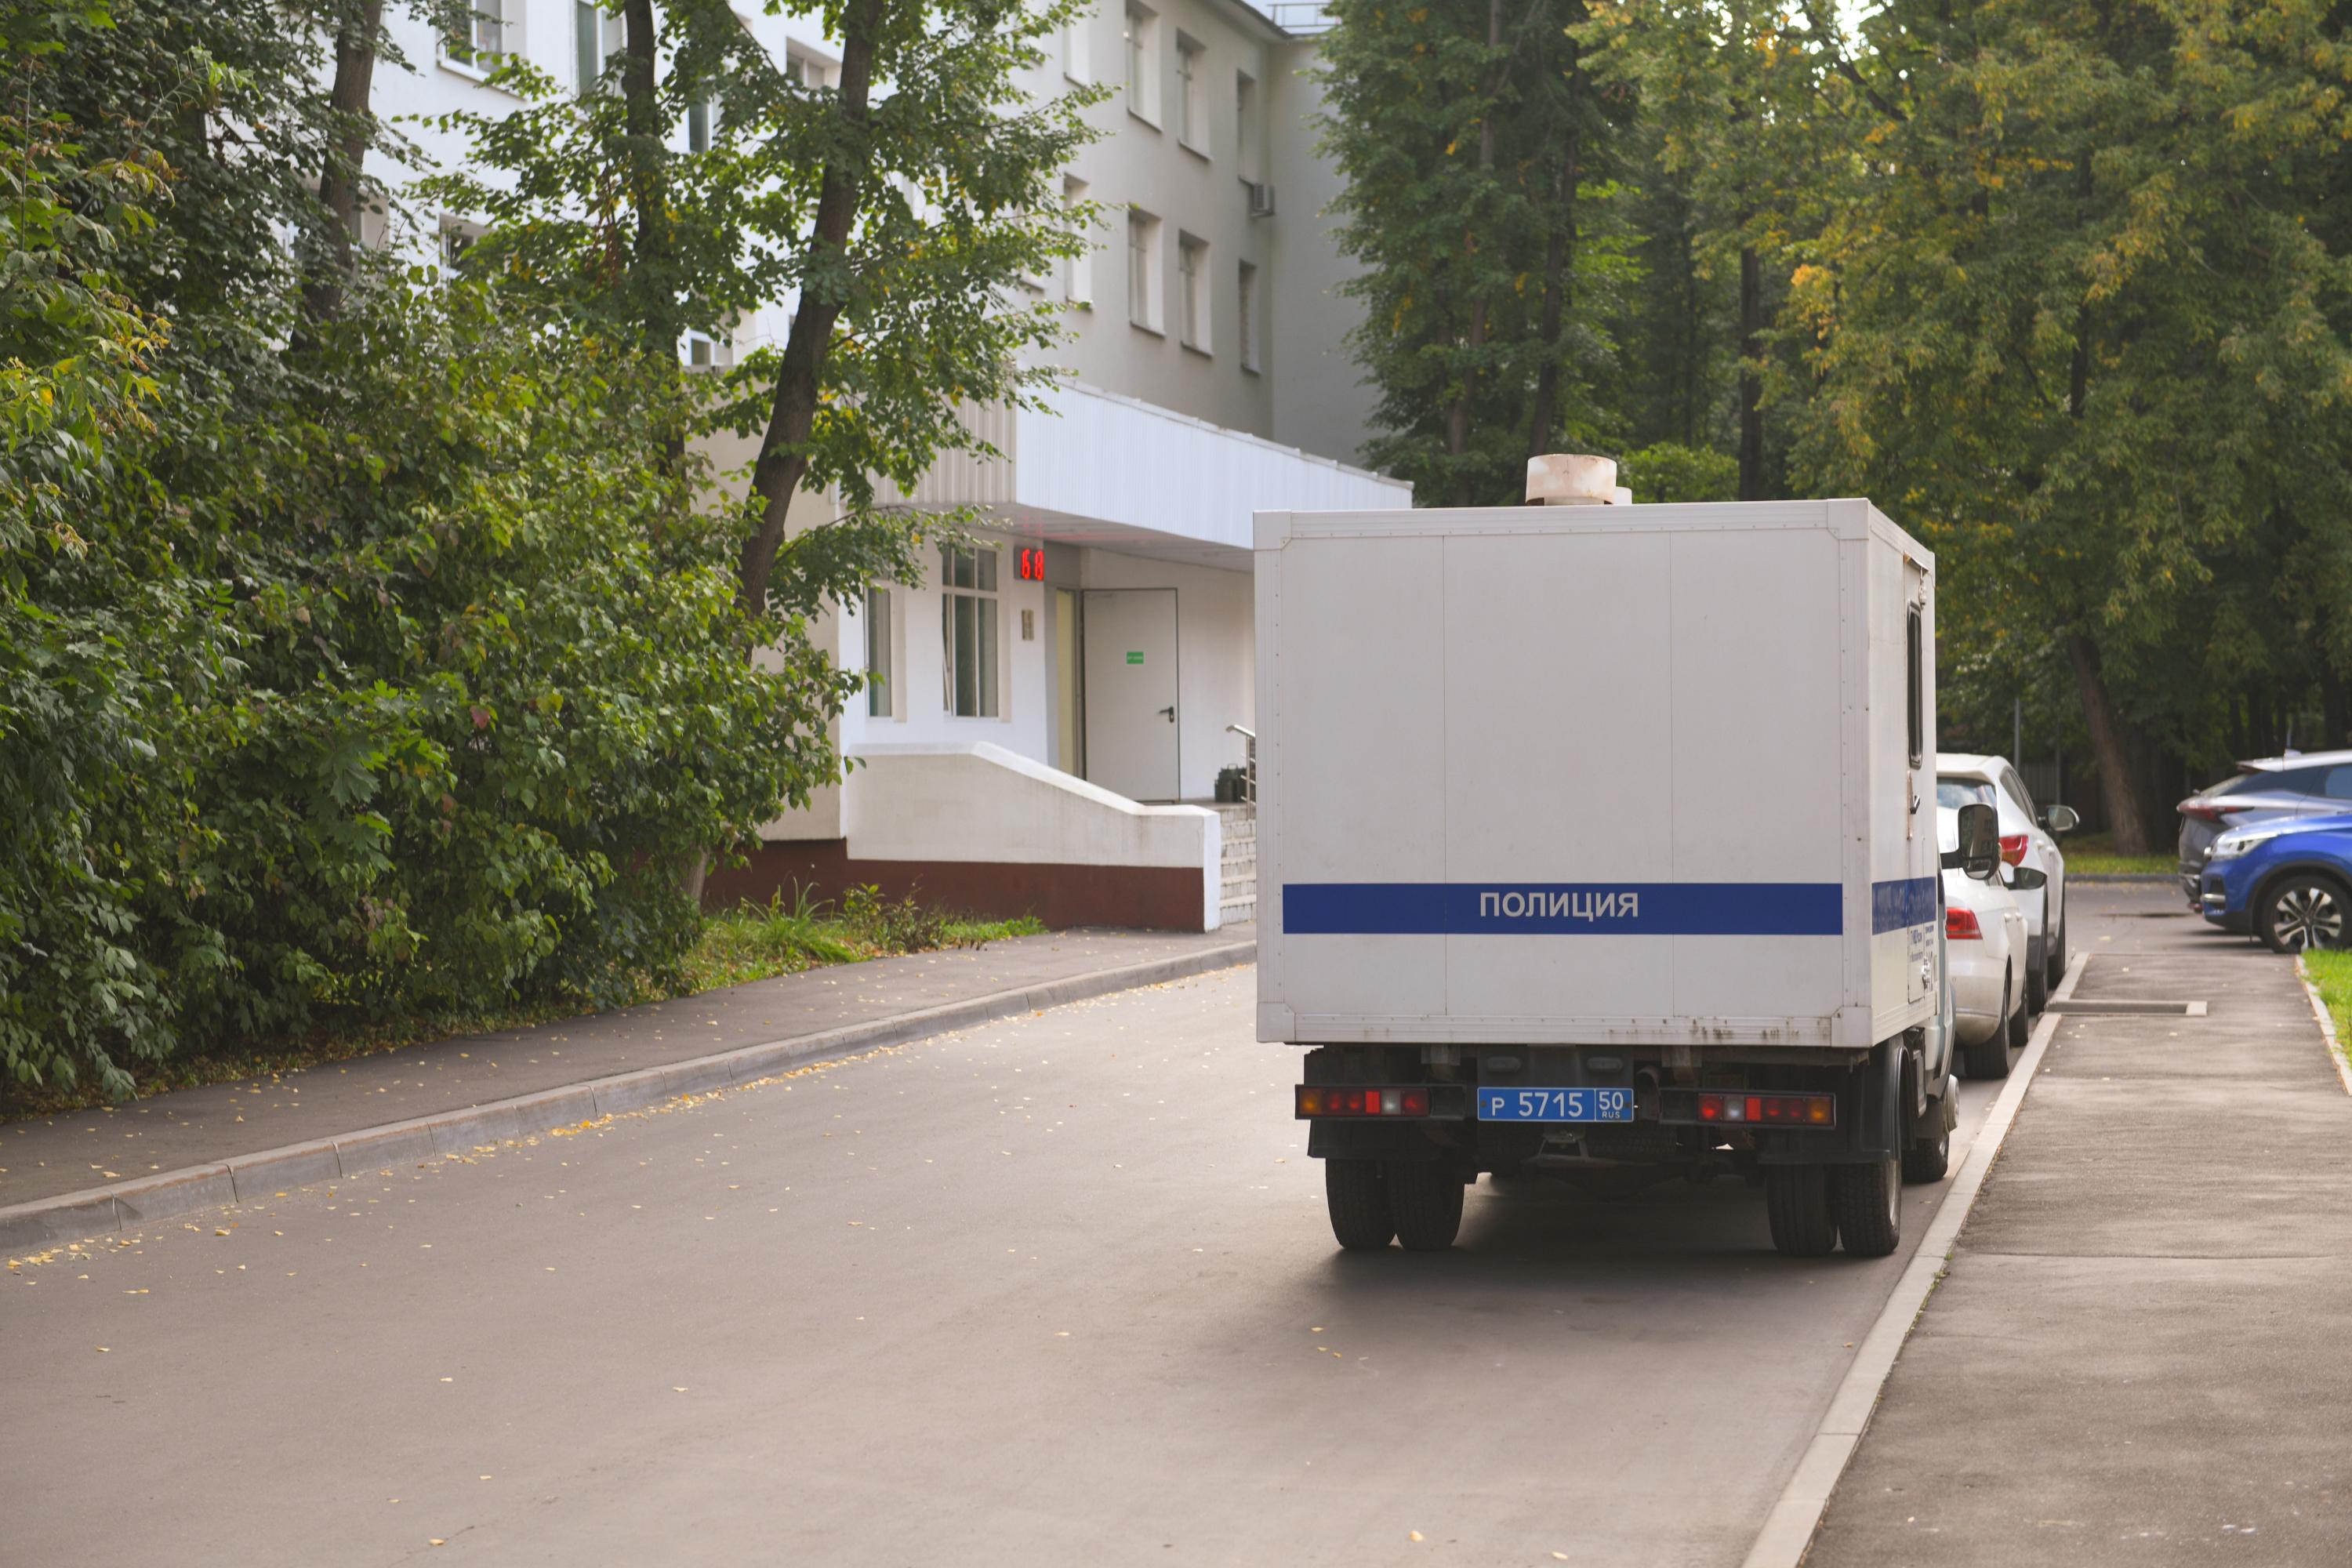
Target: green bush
(1669,471)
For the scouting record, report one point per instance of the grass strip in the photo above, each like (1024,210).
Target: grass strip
(2331,975)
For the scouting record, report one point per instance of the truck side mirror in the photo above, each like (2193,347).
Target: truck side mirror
(1979,856)
(2061,819)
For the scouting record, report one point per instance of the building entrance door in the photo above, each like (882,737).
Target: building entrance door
(1131,691)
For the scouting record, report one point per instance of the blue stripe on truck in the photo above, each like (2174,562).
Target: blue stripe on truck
(1622,909)
(1895,906)
(1561,909)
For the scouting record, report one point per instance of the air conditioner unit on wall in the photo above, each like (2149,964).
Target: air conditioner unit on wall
(1261,199)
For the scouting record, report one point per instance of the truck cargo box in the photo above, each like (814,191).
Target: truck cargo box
(1650,775)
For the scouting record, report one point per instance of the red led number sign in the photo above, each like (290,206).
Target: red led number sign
(1033,565)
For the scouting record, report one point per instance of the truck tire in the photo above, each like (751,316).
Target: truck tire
(1989,1058)
(1358,1196)
(1868,1202)
(1425,1199)
(1797,1202)
(1926,1159)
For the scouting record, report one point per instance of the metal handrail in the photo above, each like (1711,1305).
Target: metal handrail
(1249,772)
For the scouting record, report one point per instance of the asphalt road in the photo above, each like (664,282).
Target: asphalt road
(1059,1290)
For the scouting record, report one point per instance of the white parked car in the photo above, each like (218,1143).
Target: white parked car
(1985,955)
(2028,838)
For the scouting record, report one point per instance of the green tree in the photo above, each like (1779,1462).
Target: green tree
(1478,157)
(2083,323)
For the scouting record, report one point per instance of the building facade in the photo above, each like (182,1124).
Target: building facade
(1046,702)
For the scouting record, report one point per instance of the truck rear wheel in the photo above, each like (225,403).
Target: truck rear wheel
(1356,1193)
(1425,1200)
(1797,1202)
(1868,1202)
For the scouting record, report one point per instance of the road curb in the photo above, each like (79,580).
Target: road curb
(246,1178)
(1789,1529)
(2121,879)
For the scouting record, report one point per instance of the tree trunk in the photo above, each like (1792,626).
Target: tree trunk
(1457,418)
(338,180)
(2123,752)
(1558,253)
(1751,374)
(784,455)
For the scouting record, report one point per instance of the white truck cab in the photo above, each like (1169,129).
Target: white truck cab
(1601,839)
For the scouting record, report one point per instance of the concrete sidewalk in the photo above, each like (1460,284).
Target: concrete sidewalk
(2142,1350)
(118,1158)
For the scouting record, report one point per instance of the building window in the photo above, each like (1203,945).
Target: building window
(1245,318)
(968,630)
(700,115)
(1246,158)
(1143,271)
(457,239)
(1075,64)
(482,38)
(877,652)
(596,39)
(1142,64)
(1193,291)
(1192,119)
(806,70)
(1078,271)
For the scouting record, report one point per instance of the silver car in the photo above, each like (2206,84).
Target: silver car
(2301,783)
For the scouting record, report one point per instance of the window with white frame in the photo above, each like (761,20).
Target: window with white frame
(1192,88)
(878,700)
(701,115)
(1142,63)
(596,38)
(488,31)
(1078,271)
(968,630)
(457,238)
(1143,269)
(1076,64)
(1245,318)
(1192,291)
(806,70)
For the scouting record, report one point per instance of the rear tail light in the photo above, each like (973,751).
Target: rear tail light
(1321,1100)
(2012,849)
(1770,1109)
(2208,810)
(1960,925)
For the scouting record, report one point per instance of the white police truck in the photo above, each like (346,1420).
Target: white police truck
(1599,839)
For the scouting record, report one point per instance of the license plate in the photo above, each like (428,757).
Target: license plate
(1555,1105)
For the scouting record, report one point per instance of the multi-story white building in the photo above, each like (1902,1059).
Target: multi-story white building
(1094,649)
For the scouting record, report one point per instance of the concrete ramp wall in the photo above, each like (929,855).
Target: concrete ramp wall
(975,828)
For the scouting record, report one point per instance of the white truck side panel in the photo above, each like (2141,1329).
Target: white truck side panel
(1466,712)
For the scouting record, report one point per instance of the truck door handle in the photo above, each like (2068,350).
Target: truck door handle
(1170,711)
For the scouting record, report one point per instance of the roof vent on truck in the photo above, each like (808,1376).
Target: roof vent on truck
(1572,478)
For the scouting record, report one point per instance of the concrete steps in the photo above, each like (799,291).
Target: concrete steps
(1237,899)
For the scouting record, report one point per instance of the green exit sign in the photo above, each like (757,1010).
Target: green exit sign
(1134,655)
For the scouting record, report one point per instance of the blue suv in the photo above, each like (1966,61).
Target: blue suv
(2287,880)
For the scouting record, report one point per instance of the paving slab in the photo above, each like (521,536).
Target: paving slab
(2139,1352)
(113,1149)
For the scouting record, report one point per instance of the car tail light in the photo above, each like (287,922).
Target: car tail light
(1774,1110)
(2208,810)
(1332,1100)
(2012,849)
(1960,925)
